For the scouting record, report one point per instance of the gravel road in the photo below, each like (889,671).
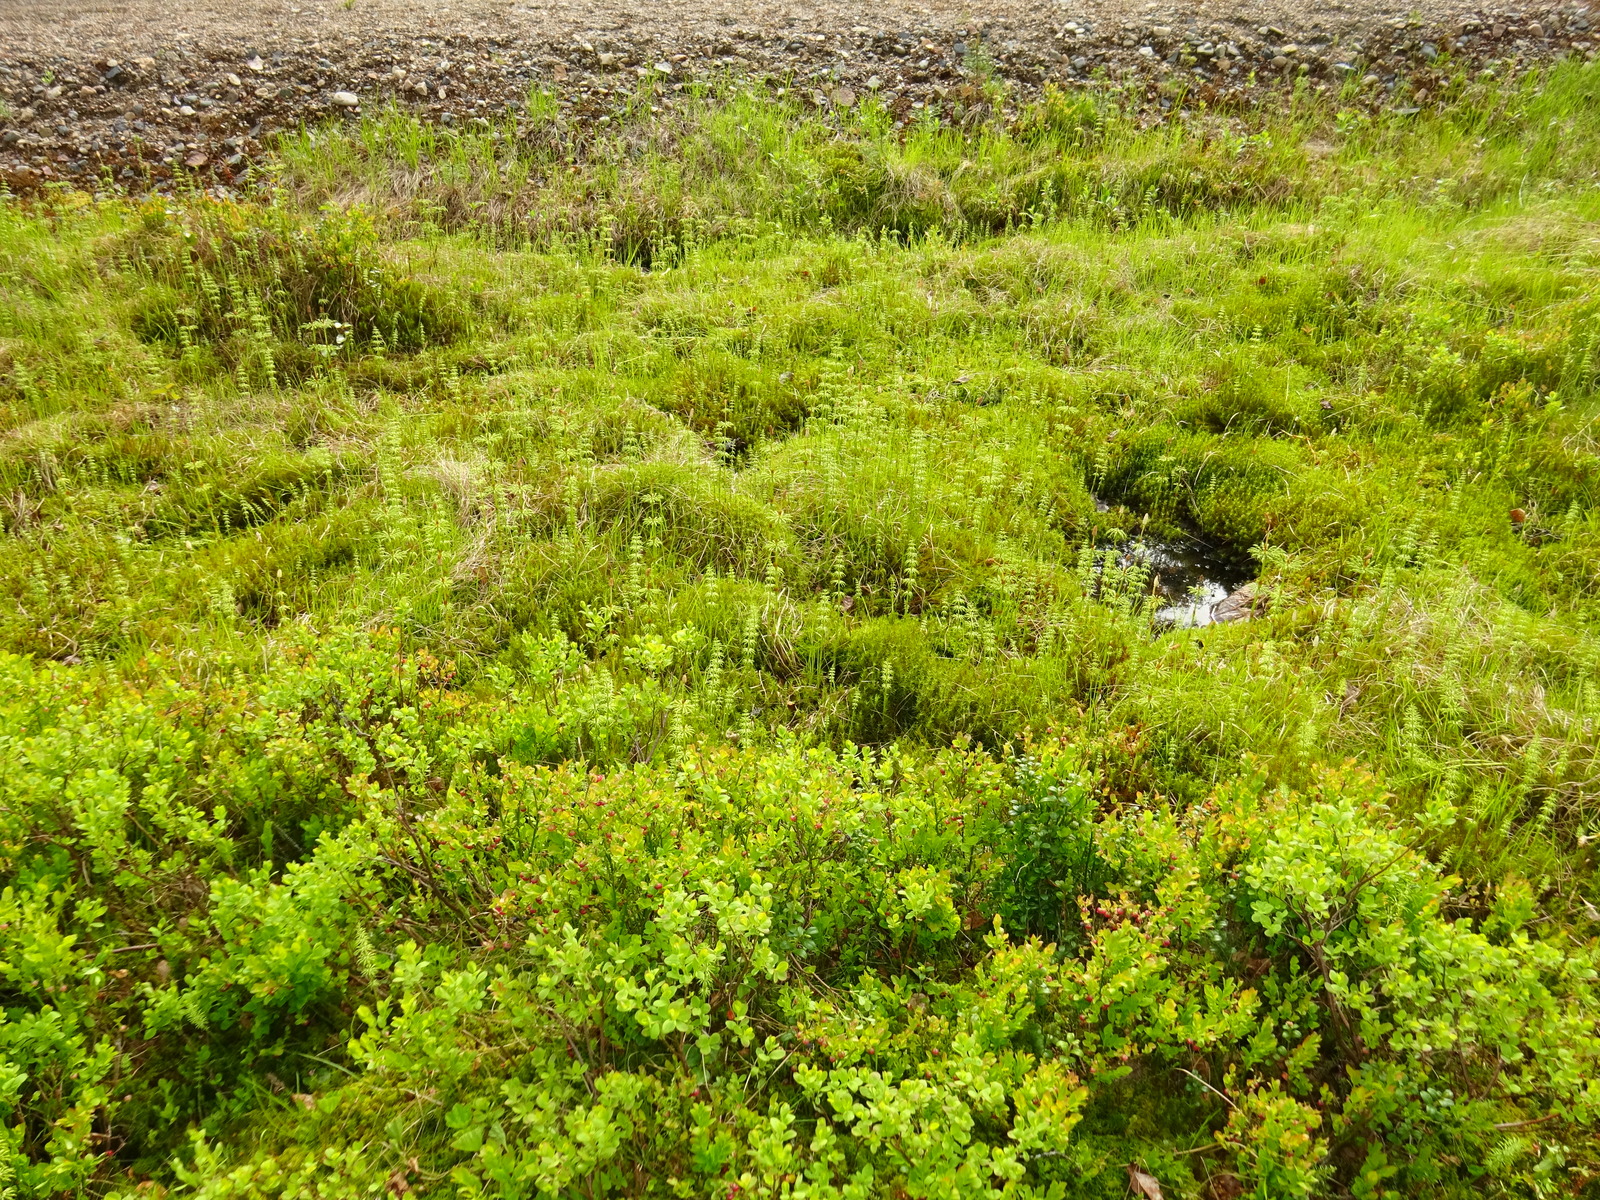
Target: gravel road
(139,93)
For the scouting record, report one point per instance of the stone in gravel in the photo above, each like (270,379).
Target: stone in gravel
(196,160)
(254,63)
(345,100)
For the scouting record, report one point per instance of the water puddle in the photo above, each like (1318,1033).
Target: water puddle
(1195,579)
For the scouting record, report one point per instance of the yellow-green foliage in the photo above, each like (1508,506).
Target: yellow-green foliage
(733,966)
(626,662)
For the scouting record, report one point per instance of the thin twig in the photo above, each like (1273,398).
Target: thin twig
(1525,1124)
(1208,1087)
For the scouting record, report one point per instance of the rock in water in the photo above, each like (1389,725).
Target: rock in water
(1238,605)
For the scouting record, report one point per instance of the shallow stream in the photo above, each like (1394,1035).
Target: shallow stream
(1193,577)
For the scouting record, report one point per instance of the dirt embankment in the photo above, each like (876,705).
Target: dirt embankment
(142,93)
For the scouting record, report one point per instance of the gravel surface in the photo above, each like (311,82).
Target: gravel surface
(142,93)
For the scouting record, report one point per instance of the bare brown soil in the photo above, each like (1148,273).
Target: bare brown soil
(137,93)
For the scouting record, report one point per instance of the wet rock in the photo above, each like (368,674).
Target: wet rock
(1239,605)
